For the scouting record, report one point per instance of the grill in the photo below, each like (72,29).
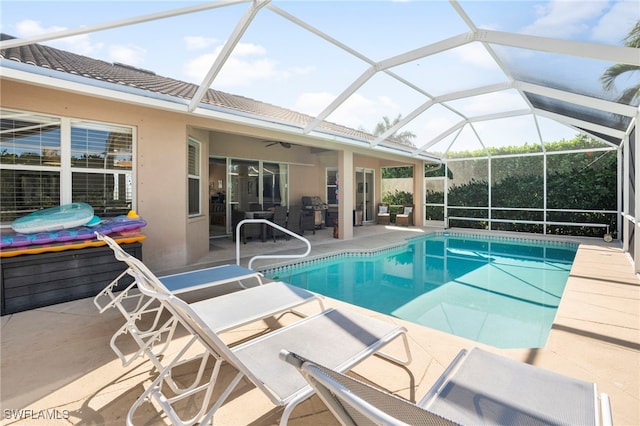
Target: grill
(316,205)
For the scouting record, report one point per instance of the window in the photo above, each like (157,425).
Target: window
(48,161)
(194,177)
(332,186)
(101,165)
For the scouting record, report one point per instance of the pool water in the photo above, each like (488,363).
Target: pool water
(499,291)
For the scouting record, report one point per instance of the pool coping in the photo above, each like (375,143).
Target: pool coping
(364,252)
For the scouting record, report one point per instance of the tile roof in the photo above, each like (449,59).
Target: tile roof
(121,74)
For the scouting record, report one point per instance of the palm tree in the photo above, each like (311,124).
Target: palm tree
(630,95)
(402,137)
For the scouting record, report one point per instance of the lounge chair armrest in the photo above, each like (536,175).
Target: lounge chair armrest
(442,380)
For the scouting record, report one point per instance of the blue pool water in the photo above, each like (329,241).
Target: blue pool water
(499,291)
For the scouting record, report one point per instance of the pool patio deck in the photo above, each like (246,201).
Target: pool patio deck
(56,361)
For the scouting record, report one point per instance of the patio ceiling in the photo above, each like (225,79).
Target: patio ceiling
(453,80)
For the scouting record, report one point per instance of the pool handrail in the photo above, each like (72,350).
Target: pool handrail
(270,256)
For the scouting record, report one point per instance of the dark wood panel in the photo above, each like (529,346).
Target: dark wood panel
(37,280)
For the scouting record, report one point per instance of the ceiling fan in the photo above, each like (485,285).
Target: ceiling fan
(282,144)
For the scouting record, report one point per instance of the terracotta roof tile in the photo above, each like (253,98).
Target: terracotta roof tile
(121,74)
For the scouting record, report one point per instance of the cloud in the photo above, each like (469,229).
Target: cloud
(565,19)
(247,50)
(30,28)
(80,44)
(313,103)
(357,112)
(130,55)
(248,63)
(614,25)
(388,103)
(495,102)
(474,54)
(437,125)
(198,42)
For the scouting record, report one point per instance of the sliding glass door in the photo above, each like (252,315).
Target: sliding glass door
(244,185)
(364,194)
(255,185)
(275,185)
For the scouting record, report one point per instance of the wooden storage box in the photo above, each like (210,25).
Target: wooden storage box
(35,280)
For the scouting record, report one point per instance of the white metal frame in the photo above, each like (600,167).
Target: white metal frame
(612,53)
(312,130)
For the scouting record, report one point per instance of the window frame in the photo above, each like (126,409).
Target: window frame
(331,188)
(64,170)
(195,177)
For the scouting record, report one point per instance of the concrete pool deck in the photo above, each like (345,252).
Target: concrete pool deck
(56,361)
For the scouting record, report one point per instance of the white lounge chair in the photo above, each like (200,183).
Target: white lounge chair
(122,294)
(339,338)
(261,301)
(477,388)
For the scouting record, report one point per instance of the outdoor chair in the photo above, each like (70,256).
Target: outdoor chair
(145,321)
(236,217)
(477,388)
(294,219)
(218,213)
(383,217)
(406,217)
(339,338)
(248,230)
(221,285)
(279,218)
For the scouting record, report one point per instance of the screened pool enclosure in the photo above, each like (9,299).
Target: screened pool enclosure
(552,192)
(504,104)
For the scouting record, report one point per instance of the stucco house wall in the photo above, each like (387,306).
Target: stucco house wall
(160,196)
(173,239)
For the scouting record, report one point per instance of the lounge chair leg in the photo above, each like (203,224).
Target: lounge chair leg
(153,394)
(288,409)
(208,418)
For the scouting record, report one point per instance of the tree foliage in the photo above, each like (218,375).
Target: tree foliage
(577,181)
(629,95)
(398,198)
(397,172)
(404,138)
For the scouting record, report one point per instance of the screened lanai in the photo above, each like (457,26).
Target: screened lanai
(495,98)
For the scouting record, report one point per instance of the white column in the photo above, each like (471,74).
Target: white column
(624,162)
(345,194)
(636,214)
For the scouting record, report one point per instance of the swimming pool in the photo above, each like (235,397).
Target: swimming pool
(500,291)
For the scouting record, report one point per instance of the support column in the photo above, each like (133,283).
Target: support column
(636,199)
(418,195)
(345,194)
(624,165)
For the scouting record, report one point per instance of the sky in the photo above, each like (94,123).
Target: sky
(278,62)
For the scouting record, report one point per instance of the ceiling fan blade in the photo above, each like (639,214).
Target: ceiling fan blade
(282,144)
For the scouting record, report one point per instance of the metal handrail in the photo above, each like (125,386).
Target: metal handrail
(269,256)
